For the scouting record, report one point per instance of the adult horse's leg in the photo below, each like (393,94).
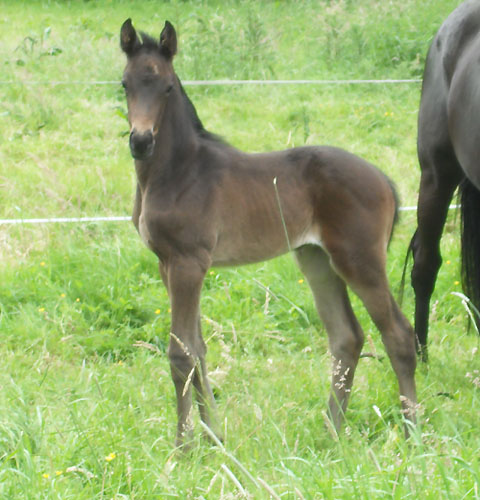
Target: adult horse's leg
(440,175)
(344,332)
(186,350)
(435,196)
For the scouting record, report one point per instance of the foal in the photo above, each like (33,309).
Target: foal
(200,202)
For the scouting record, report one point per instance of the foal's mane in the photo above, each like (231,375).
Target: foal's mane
(150,44)
(196,122)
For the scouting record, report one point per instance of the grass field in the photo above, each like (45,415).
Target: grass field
(87,407)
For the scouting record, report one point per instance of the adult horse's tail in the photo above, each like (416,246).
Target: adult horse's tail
(470,235)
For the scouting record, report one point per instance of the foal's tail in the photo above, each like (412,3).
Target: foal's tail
(397,204)
(470,237)
(410,248)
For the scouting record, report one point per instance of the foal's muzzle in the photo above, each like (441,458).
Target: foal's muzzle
(141,144)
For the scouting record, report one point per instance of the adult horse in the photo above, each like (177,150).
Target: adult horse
(449,154)
(201,202)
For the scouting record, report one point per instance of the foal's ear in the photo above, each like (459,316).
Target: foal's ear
(168,41)
(128,37)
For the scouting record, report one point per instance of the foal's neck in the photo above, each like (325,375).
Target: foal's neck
(176,142)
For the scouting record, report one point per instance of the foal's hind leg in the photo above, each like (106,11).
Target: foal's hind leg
(359,258)
(399,341)
(367,278)
(344,332)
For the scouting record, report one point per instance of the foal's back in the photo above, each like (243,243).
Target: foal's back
(271,203)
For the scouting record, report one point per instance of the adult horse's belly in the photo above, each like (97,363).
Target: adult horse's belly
(464,113)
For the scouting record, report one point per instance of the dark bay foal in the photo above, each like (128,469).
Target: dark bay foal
(201,202)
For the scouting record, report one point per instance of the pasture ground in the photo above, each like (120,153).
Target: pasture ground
(87,407)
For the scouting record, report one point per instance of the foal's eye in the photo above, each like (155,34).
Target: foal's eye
(124,85)
(169,89)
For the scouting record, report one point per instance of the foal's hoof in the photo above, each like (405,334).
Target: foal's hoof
(215,438)
(213,434)
(184,441)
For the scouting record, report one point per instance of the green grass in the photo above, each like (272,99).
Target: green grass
(85,319)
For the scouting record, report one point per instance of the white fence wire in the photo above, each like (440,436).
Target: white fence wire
(119,218)
(193,83)
(223,82)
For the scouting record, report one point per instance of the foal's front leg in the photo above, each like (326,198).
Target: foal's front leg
(205,399)
(186,350)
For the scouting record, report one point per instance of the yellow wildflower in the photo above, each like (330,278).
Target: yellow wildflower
(110,457)
(157,311)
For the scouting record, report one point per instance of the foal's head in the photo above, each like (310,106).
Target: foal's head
(148,80)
